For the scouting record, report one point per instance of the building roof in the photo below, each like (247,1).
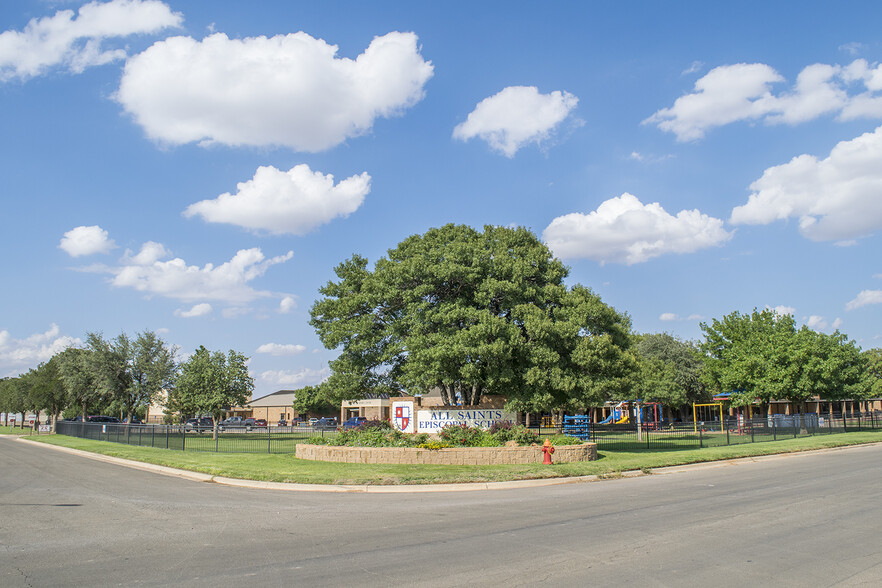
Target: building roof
(278,398)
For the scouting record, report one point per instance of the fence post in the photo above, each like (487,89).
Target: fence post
(727,434)
(844,423)
(166,436)
(268,438)
(774,431)
(751,431)
(183,438)
(701,437)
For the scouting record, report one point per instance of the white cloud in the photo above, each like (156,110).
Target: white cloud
(294,202)
(624,230)
(516,116)
(76,42)
(724,95)
(668,316)
(295,379)
(86,241)
(147,272)
(694,67)
(280,349)
(864,298)
(836,198)
(837,323)
(19,355)
(782,310)
(201,309)
(816,322)
(743,92)
(287,304)
(694,317)
(289,90)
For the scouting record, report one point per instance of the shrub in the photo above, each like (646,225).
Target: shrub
(462,436)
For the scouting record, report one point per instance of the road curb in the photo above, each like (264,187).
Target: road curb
(411,488)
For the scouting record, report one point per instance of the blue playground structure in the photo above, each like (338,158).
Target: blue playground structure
(578,426)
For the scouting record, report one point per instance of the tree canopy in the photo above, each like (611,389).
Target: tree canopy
(669,372)
(471,313)
(762,356)
(211,383)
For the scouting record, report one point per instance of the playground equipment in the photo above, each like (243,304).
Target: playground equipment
(649,415)
(709,414)
(618,416)
(578,426)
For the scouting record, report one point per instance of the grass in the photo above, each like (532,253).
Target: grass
(286,468)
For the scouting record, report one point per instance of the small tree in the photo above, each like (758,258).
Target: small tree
(211,383)
(312,400)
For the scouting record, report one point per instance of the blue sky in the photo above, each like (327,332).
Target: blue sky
(199,168)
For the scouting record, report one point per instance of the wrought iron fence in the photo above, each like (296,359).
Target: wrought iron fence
(183,438)
(730,431)
(625,437)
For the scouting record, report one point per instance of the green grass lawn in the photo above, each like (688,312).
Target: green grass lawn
(286,468)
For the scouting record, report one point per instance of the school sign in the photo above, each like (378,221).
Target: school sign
(412,419)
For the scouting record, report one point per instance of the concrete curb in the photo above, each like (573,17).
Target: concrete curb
(411,488)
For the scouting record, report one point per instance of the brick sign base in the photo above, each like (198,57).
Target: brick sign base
(448,456)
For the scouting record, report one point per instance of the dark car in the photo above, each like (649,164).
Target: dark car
(282,423)
(249,423)
(199,424)
(102,419)
(325,424)
(354,422)
(259,422)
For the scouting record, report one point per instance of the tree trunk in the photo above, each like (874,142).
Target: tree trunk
(445,395)
(476,395)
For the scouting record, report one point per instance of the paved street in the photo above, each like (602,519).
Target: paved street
(805,520)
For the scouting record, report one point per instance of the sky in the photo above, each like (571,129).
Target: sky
(199,168)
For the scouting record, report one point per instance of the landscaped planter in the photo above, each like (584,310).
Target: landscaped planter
(448,456)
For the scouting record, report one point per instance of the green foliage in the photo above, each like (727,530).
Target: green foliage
(211,383)
(763,357)
(130,373)
(669,371)
(312,400)
(471,313)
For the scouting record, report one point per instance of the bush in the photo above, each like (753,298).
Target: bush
(463,436)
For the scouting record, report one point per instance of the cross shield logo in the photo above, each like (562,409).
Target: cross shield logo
(402,416)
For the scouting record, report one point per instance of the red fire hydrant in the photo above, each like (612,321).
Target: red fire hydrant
(547,449)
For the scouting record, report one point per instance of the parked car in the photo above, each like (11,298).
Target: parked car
(102,419)
(134,421)
(282,423)
(249,423)
(199,424)
(325,424)
(259,422)
(312,421)
(232,423)
(353,422)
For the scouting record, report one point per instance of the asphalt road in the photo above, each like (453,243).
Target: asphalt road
(804,520)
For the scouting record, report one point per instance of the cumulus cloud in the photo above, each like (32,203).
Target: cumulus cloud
(816,322)
(76,42)
(280,349)
(288,90)
(18,355)
(782,310)
(668,316)
(295,379)
(294,201)
(148,271)
(624,230)
(287,304)
(744,92)
(201,309)
(836,198)
(516,116)
(86,241)
(865,298)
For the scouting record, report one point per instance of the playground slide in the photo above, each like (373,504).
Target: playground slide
(608,419)
(623,420)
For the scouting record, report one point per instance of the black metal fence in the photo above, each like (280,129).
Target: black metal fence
(182,438)
(626,437)
(730,431)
